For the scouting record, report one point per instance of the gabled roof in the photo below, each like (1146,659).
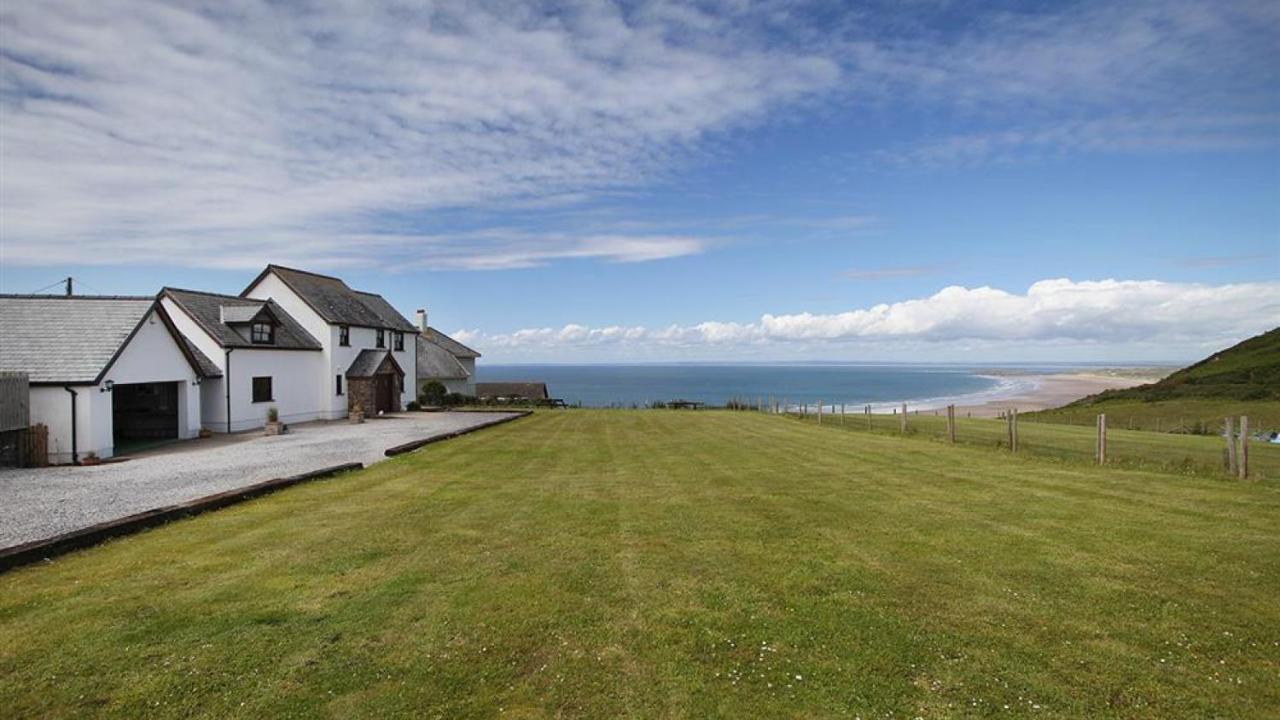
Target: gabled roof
(335,302)
(387,314)
(74,340)
(241,313)
(368,362)
(437,363)
(448,343)
(210,309)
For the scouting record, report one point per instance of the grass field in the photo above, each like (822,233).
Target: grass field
(1167,415)
(673,564)
(1038,437)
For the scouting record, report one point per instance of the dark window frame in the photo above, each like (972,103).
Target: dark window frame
(262,333)
(381,339)
(399,342)
(339,383)
(344,335)
(257,385)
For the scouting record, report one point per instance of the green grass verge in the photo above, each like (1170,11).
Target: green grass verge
(669,564)
(1132,449)
(1188,415)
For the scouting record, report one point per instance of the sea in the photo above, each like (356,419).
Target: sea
(883,386)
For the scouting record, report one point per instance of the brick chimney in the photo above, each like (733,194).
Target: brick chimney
(422,320)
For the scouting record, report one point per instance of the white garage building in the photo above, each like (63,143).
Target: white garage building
(105,372)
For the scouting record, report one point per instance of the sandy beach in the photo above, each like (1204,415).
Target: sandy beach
(1040,392)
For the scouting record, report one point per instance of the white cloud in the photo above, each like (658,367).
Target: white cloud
(1115,313)
(230,133)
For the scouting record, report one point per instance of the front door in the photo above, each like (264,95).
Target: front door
(384,393)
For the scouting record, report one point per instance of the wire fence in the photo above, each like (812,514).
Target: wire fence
(1235,455)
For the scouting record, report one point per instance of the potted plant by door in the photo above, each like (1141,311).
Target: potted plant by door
(273,426)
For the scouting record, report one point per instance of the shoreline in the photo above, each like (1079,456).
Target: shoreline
(1050,390)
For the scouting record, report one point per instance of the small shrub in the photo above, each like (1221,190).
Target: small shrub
(273,414)
(432,392)
(413,406)
(457,400)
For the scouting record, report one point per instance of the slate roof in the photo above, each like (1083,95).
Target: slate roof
(387,314)
(206,366)
(74,340)
(367,363)
(448,343)
(239,313)
(337,303)
(207,309)
(437,363)
(527,390)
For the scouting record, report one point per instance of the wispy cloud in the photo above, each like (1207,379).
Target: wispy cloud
(1050,311)
(221,134)
(146,132)
(888,273)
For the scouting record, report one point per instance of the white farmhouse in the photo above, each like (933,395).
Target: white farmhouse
(104,372)
(107,372)
(369,358)
(445,360)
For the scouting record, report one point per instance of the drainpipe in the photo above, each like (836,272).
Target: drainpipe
(227,379)
(75,456)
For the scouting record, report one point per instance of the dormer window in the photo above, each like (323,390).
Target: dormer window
(344,336)
(263,333)
(382,338)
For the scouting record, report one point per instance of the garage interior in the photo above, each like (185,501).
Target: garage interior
(144,414)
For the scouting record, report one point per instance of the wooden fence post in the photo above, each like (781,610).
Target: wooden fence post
(1244,447)
(1102,439)
(1231,446)
(841,413)
(951,424)
(867,409)
(902,424)
(819,412)
(1013,424)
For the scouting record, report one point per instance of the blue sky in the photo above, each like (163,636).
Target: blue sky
(663,181)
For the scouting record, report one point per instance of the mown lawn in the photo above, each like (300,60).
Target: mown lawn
(673,564)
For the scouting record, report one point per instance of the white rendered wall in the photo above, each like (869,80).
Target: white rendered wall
(293,376)
(51,406)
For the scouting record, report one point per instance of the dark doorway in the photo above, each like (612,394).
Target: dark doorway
(384,393)
(143,414)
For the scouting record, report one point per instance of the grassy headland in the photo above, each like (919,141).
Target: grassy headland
(1241,380)
(673,564)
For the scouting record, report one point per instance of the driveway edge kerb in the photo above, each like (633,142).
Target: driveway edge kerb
(35,551)
(415,444)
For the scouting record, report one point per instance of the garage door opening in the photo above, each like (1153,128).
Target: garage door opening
(144,414)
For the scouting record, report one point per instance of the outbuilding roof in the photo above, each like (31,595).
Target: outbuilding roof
(448,343)
(337,303)
(74,340)
(221,316)
(437,363)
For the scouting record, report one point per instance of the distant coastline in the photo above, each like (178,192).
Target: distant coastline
(979,390)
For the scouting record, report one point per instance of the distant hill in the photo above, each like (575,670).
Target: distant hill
(1247,371)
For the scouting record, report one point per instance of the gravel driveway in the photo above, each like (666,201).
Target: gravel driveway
(40,503)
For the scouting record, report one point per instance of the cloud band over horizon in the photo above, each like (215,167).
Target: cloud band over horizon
(1051,312)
